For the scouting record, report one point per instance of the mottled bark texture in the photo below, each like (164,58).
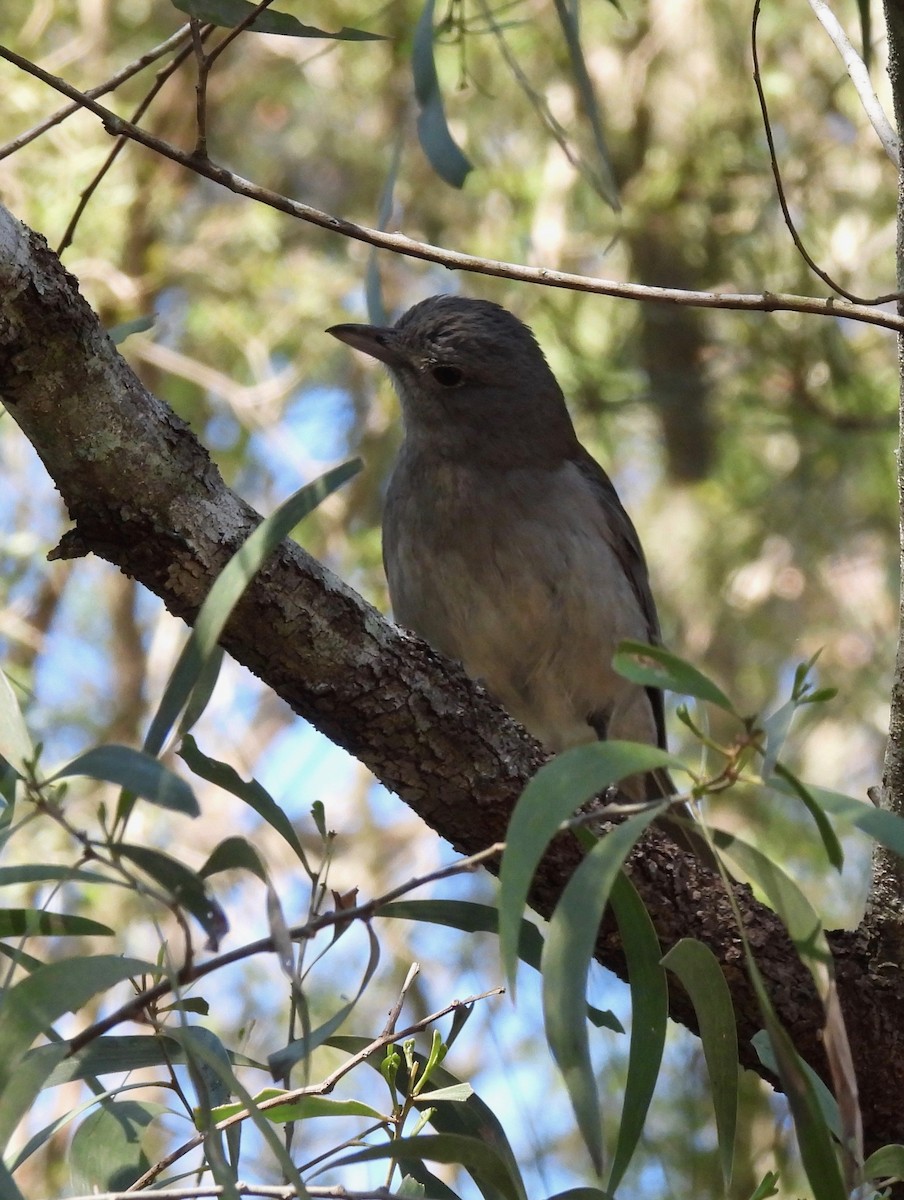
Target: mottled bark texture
(884,920)
(144,495)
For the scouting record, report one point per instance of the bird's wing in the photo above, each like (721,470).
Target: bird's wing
(626,546)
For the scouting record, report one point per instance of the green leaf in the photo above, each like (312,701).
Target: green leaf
(234,854)
(186,888)
(8,1189)
(768,1186)
(469,917)
(305,1108)
(202,1046)
(136,771)
(229,13)
(649,1020)
(882,826)
(45,873)
(15,743)
(250,791)
(117,1054)
(478,1159)
(437,142)
(824,1098)
(830,841)
(471,1119)
(701,976)
(573,931)
(456,1091)
(119,333)
(797,913)
(652,666)
(226,593)
(558,789)
(817,1147)
(32,1006)
(885,1163)
(106,1153)
(24,1086)
(32,922)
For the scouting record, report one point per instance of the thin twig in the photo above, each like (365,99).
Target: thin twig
(859,77)
(453,259)
(204,62)
(779,186)
(264,1190)
(132,68)
(396,1009)
(194,971)
(314,1089)
(162,76)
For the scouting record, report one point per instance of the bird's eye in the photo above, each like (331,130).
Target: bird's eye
(447,376)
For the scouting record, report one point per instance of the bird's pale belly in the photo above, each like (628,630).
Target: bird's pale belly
(538,631)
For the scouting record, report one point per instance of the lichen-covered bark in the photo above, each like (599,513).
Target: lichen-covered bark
(884,920)
(144,495)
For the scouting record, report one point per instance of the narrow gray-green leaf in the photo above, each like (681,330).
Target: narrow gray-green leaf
(649,1020)
(654,667)
(49,873)
(799,917)
(23,1087)
(573,931)
(31,1006)
(200,1048)
(701,976)
(186,888)
(8,1188)
(229,13)
(478,1159)
(880,824)
(827,834)
(34,922)
(472,1118)
(444,155)
(227,591)
(106,1153)
(558,789)
(824,1098)
(250,791)
(137,772)
(234,854)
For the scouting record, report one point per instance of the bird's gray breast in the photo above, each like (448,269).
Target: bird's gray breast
(513,573)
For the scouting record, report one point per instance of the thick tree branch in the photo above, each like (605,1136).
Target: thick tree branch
(145,496)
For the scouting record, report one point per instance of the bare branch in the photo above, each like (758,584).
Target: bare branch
(133,68)
(859,77)
(455,260)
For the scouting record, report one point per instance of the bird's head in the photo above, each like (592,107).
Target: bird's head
(470,376)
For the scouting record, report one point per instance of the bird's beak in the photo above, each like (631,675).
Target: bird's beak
(378,342)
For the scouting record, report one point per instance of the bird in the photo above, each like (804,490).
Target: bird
(505,544)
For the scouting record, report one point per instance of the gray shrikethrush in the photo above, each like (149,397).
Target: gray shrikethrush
(505,544)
